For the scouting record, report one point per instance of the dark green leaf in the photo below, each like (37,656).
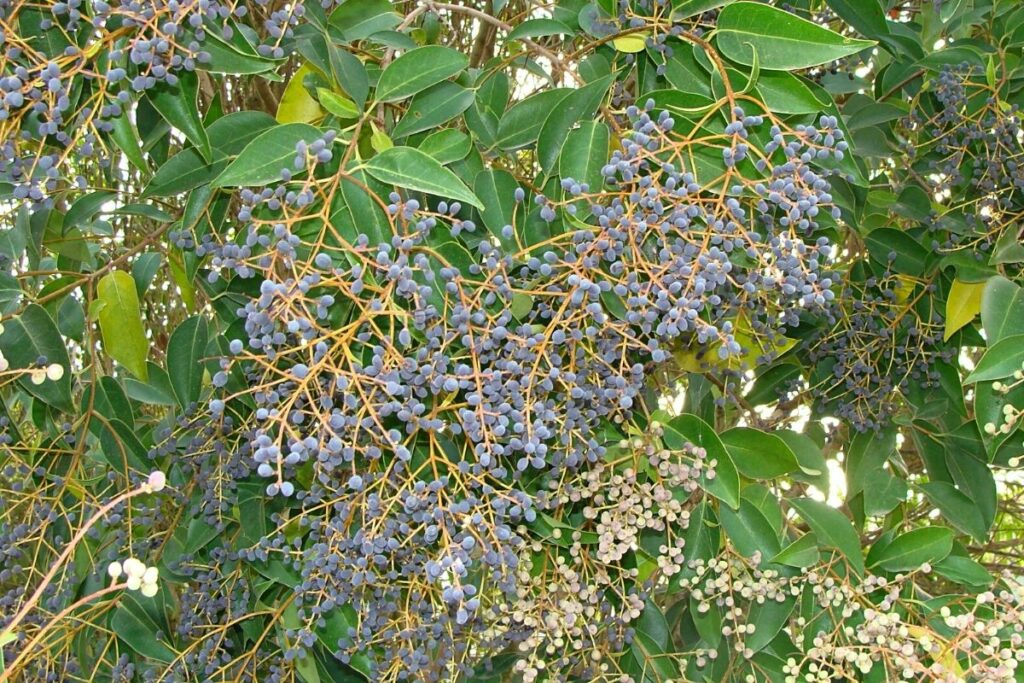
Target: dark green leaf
(177,104)
(832,528)
(185,351)
(27,337)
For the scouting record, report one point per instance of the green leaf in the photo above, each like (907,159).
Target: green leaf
(911,550)
(228,59)
(28,336)
(359,20)
(144,269)
(683,9)
(177,105)
(263,159)
(749,531)
(585,153)
(355,212)
(832,528)
(768,618)
(962,304)
(185,171)
(867,16)
(417,70)
(447,145)
(185,351)
(409,168)
(1000,360)
(757,454)
(120,446)
(535,28)
(784,93)
(120,317)
(126,138)
(349,73)
(521,124)
(903,252)
(137,627)
(964,571)
(496,190)
(578,106)
(958,509)
(342,107)
(1002,309)
(432,107)
(803,552)
(725,485)
(782,41)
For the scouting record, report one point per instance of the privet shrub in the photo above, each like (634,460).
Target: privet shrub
(511,341)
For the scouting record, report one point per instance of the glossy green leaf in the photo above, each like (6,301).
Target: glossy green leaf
(359,20)
(137,627)
(535,28)
(580,105)
(496,189)
(782,41)
(725,485)
(521,124)
(342,107)
(447,145)
(803,552)
(963,570)
(832,528)
(959,510)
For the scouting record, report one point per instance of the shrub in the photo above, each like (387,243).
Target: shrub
(510,341)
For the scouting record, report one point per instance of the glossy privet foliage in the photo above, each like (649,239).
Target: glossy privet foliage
(508,341)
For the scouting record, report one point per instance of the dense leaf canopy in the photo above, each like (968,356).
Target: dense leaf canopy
(578,340)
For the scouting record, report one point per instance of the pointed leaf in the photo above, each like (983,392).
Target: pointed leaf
(782,41)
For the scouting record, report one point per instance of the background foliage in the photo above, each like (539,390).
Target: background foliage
(511,341)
